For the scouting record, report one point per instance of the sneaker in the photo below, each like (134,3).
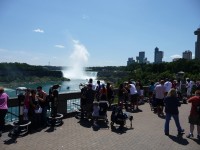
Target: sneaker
(189,135)
(166,133)
(181,132)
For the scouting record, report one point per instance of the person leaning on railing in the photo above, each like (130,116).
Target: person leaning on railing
(3,108)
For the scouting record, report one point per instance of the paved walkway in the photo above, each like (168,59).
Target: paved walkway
(147,134)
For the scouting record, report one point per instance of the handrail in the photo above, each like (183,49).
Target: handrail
(65,99)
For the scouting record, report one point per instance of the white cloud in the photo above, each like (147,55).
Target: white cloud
(39,30)
(176,56)
(85,17)
(59,46)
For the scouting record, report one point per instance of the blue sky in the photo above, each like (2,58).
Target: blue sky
(95,32)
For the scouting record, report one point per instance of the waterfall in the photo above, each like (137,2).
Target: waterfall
(78,61)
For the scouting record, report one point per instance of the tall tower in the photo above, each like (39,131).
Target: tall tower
(141,57)
(187,55)
(197,44)
(158,55)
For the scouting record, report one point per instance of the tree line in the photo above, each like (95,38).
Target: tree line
(10,72)
(116,74)
(150,72)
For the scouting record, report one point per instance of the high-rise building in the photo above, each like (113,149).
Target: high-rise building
(187,55)
(130,61)
(141,57)
(158,55)
(197,44)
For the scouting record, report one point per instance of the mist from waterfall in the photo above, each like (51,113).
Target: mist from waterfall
(77,62)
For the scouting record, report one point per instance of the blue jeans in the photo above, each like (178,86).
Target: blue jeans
(44,116)
(167,120)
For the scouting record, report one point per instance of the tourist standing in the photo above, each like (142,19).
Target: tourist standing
(167,85)
(103,93)
(83,100)
(110,94)
(171,109)
(194,117)
(41,96)
(121,95)
(151,90)
(133,95)
(98,88)
(35,111)
(189,85)
(93,85)
(27,104)
(159,97)
(90,95)
(3,108)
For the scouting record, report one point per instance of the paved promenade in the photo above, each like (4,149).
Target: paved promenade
(147,134)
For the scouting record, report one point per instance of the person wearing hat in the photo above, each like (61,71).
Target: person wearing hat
(3,108)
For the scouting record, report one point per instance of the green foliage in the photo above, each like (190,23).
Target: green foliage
(10,72)
(149,72)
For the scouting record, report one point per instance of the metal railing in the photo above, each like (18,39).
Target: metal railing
(65,105)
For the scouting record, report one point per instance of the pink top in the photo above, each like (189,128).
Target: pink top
(3,101)
(27,101)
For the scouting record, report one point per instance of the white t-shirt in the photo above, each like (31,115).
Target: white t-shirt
(168,86)
(133,89)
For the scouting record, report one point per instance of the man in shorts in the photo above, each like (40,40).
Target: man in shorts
(159,95)
(133,95)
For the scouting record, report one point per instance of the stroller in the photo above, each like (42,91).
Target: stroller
(119,117)
(102,111)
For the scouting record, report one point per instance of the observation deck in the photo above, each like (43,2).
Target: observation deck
(147,133)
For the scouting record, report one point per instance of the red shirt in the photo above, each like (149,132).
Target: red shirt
(195,101)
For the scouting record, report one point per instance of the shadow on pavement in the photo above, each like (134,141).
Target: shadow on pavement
(119,130)
(179,139)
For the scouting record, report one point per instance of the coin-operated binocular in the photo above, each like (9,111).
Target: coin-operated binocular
(55,118)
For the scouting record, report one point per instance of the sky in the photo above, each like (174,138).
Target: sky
(95,32)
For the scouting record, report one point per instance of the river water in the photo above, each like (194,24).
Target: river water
(66,86)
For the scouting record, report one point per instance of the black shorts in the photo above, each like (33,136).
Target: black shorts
(134,98)
(159,102)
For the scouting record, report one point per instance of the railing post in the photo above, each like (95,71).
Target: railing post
(62,104)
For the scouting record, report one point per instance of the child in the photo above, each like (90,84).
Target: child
(95,113)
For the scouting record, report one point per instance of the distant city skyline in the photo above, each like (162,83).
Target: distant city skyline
(98,33)
(158,55)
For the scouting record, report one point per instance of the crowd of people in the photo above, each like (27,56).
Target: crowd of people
(166,94)
(34,109)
